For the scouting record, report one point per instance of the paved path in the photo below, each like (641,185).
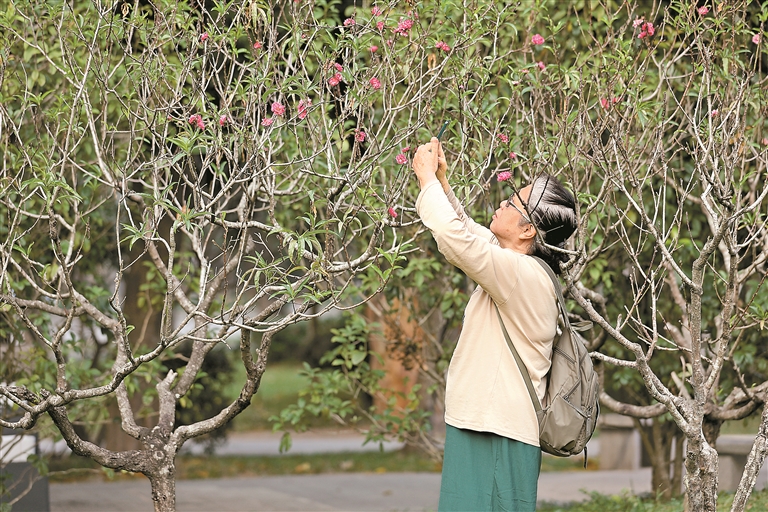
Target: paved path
(330,492)
(333,492)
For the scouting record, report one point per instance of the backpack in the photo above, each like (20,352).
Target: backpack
(571,408)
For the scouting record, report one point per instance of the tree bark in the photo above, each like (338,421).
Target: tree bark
(754,463)
(677,478)
(711,429)
(701,465)
(163,483)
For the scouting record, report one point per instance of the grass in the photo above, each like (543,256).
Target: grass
(199,467)
(75,468)
(758,501)
(748,425)
(280,386)
(550,463)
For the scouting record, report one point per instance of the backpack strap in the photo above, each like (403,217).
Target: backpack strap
(520,364)
(558,290)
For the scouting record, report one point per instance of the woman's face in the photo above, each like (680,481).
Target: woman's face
(510,224)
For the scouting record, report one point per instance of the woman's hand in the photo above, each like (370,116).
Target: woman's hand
(442,168)
(426,162)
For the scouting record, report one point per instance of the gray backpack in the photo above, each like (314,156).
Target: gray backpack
(569,415)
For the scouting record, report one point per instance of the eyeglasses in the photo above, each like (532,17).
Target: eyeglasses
(513,205)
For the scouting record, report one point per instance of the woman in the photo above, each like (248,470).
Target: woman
(492,455)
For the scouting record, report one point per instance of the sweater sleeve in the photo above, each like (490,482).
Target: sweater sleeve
(472,226)
(467,245)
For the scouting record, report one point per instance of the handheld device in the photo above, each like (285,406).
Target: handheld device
(442,130)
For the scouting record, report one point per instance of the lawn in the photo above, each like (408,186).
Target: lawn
(602,503)
(198,467)
(280,386)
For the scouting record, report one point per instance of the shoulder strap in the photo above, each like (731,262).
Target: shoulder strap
(558,290)
(520,365)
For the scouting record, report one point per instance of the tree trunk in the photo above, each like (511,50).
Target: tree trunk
(658,440)
(677,478)
(754,463)
(661,479)
(701,466)
(400,344)
(711,429)
(164,488)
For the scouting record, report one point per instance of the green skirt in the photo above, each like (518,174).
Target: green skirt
(484,471)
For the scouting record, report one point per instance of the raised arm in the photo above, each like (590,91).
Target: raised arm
(425,166)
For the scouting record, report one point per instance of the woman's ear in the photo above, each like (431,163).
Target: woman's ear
(528,232)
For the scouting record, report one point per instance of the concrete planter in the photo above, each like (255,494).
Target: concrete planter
(16,474)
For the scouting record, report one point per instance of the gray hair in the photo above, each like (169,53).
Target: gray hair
(552,210)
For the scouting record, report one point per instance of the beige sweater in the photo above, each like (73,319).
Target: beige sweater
(485,390)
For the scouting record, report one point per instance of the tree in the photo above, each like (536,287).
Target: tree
(248,160)
(694,277)
(655,118)
(238,160)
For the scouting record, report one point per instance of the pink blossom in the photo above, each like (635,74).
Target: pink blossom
(392,213)
(503,176)
(615,100)
(756,38)
(278,108)
(257,45)
(646,29)
(380,25)
(765,141)
(197,120)
(401,159)
(334,80)
(703,10)
(375,83)
(406,149)
(524,71)
(302,108)
(390,42)
(338,66)
(360,135)
(513,155)
(373,48)
(204,37)
(715,113)
(541,65)
(403,26)
(349,22)
(376,11)
(503,138)
(267,121)
(605,103)
(638,22)
(222,120)
(515,82)
(443,46)
(537,39)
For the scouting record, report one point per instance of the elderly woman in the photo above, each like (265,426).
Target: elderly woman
(492,455)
